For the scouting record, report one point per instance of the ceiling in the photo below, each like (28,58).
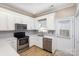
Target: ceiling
(35,9)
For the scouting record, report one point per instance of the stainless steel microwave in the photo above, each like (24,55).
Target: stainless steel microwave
(20,27)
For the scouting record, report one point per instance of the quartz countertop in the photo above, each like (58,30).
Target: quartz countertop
(6,49)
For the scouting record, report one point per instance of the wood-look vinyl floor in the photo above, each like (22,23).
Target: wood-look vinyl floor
(35,51)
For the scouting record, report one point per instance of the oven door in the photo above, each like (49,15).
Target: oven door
(22,43)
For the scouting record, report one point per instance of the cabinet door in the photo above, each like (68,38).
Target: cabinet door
(11,22)
(14,43)
(47,44)
(36,25)
(3,22)
(18,19)
(31,41)
(24,20)
(51,22)
(39,42)
(36,41)
(30,24)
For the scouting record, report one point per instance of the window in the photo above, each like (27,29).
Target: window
(42,22)
(64,33)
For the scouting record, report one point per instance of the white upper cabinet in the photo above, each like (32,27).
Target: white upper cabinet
(18,18)
(8,19)
(30,25)
(36,24)
(29,21)
(49,20)
(3,21)
(11,22)
(13,18)
(24,20)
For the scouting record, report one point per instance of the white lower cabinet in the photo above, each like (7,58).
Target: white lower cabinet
(13,42)
(36,40)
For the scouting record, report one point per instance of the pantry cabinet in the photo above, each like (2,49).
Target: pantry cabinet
(24,20)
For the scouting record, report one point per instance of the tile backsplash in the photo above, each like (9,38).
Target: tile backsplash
(9,34)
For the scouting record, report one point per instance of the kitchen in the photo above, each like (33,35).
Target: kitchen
(40,29)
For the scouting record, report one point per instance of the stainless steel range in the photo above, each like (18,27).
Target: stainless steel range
(22,40)
(22,43)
